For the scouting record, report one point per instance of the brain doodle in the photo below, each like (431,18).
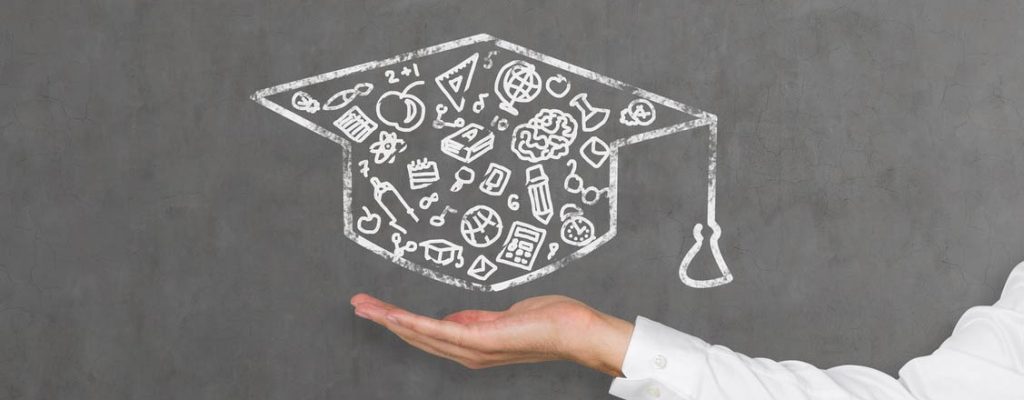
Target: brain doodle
(464,161)
(546,136)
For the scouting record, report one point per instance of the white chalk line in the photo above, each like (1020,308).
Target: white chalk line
(412,55)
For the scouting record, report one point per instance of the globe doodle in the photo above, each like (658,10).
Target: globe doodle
(517,82)
(481,226)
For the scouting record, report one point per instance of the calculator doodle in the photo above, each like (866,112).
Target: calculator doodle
(485,165)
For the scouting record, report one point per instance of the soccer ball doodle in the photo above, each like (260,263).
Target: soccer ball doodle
(502,156)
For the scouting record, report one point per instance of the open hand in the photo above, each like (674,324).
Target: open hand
(536,329)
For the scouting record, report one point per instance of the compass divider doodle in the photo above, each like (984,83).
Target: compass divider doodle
(703,119)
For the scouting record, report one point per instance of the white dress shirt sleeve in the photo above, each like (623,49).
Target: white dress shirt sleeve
(983,359)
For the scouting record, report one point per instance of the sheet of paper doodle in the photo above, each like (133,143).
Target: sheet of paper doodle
(483,154)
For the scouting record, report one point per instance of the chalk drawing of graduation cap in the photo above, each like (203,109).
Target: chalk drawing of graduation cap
(485,165)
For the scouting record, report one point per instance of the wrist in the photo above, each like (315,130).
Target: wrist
(602,344)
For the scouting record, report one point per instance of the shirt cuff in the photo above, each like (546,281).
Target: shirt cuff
(660,363)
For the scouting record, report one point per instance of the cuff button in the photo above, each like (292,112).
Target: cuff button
(660,361)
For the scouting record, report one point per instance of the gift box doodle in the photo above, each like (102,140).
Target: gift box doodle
(485,165)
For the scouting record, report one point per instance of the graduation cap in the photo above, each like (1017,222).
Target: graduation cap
(484,165)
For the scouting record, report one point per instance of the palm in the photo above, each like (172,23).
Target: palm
(536,329)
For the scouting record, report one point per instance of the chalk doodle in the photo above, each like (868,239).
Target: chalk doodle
(464,176)
(481,226)
(345,97)
(552,249)
(439,121)
(387,147)
(488,155)
(539,190)
(591,118)
(479,104)
(595,152)
(639,112)
(410,104)
(521,245)
(576,230)
(400,249)
(589,195)
(304,102)
(488,61)
(454,83)
(355,124)
(438,220)
(364,168)
(518,82)
(422,173)
(501,124)
(427,201)
(368,218)
(442,252)
(482,268)
(381,190)
(495,179)
(557,86)
(513,202)
(546,136)
(468,144)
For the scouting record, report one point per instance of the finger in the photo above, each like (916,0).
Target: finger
(375,312)
(365,298)
(472,316)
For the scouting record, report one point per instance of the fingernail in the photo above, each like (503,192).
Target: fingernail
(393,319)
(361,313)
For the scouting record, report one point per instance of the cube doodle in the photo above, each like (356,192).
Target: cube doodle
(514,136)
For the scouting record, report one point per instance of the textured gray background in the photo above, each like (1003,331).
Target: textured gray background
(162,236)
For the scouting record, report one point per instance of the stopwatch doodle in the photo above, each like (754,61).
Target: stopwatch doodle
(521,157)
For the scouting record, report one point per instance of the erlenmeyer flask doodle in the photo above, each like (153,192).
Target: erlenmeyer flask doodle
(716,252)
(517,82)
(591,118)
